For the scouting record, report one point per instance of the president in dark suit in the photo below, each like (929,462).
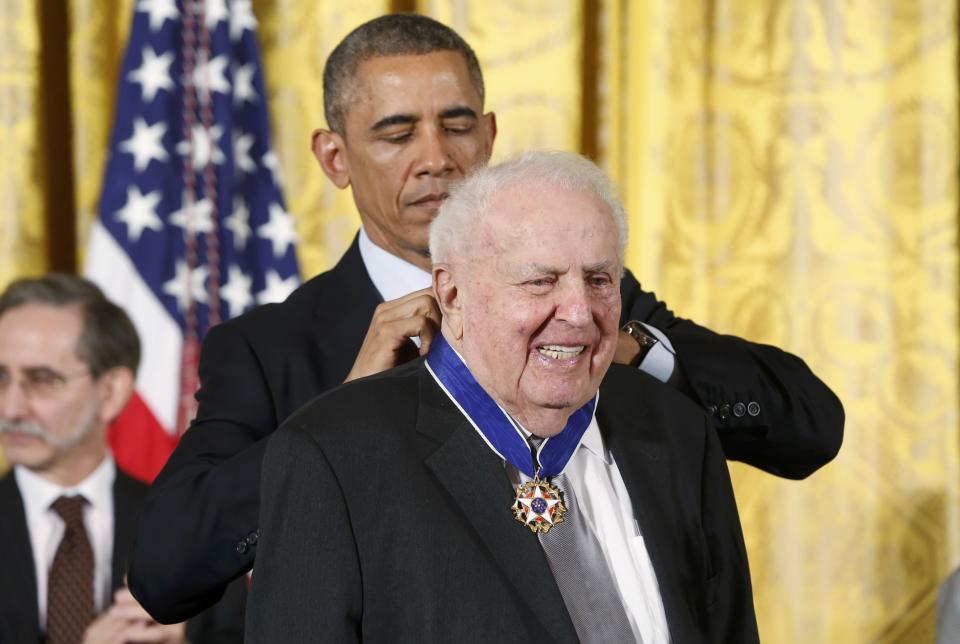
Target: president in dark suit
(404,102)
(386,504)
(67,363)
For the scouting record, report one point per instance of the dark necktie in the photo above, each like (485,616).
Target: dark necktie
(70,606)
(580,569)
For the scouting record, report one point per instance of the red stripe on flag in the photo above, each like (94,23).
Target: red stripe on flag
(140,444)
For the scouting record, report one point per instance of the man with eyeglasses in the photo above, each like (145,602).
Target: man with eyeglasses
(68,358)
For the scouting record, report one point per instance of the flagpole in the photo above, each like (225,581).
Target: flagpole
(190,356)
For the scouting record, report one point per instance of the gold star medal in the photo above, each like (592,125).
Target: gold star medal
(538,505)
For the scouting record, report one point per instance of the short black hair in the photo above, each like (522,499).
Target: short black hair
(396,34)
(109,338)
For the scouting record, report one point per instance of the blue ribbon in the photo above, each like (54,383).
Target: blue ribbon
(499,430)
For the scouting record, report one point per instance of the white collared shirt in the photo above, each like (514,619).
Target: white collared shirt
(393,277)
(46,527)
(603,501)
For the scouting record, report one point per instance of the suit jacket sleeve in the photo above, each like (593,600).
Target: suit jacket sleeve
(799,424)
(306,586)
(198,528)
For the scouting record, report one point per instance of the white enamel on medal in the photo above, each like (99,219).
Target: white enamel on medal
(538,505)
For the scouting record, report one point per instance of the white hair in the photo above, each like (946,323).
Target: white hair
(456,221)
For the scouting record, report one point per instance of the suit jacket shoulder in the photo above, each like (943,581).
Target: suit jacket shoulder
(254,372)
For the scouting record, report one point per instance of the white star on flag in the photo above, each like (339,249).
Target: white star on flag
(140,212)
(153,74)
(187,285)
(241,152)
(216,11)
(211,75)
(206,146)
(159,10)
(197,216)
(243,90)
(236,292)
(238,223)
(144,144)
(279,230)
(277,290)
(241,19)
(270,162)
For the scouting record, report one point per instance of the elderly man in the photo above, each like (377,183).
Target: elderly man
(386,504)
(403,97)
(67,363)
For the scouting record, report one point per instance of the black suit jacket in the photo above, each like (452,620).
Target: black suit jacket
(19,620)
(256,370)
(391,516)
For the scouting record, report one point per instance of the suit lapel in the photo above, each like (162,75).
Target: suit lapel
(473,475)
(344,308)
(19,619)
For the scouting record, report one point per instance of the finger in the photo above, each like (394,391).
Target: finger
(123,595)
(395,334)
(427,334)
(155,633)
(105,630)
(145,633)
(411,304)
(129,611)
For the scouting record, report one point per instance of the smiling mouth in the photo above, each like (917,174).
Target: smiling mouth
(560,351)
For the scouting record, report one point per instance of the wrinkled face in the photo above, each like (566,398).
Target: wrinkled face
(48,399)
(414,125)
(541,300)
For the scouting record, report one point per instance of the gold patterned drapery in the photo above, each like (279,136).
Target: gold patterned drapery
(791,169)
(791,173)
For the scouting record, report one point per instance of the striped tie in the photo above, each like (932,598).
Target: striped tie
(70,590)
(583,576)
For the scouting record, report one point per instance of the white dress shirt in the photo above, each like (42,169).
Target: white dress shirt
(46,527)
(393,277)
(604,503)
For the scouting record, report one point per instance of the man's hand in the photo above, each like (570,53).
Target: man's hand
(387,343)
(127,621)
(627,350)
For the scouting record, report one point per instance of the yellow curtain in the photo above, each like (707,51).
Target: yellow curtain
(791,172)
(22,230)
(296,36)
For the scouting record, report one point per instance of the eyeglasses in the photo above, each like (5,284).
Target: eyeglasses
(39,383)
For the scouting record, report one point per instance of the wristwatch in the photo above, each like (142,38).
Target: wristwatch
(645,341)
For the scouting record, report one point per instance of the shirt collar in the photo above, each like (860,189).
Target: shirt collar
(39,494)
(592,440)
(393,277)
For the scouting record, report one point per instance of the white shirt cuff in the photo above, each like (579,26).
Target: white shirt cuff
(661,358)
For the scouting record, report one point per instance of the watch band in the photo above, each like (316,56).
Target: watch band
(644,340)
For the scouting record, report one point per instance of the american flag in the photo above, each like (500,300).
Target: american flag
(192,228)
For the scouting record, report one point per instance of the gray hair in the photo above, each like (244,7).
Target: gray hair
(398,34)
(109,338)
(470,199)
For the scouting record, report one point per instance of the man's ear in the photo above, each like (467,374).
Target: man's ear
(490,129)
(114,389)
(330,150)
(448,298)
